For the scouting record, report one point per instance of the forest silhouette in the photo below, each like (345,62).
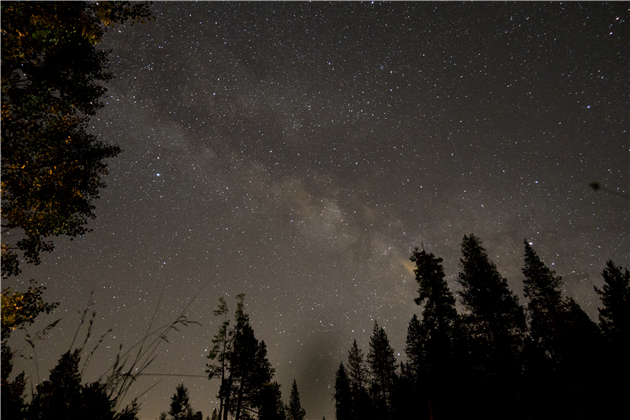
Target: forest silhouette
(497,358)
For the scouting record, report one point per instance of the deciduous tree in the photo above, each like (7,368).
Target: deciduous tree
(52,84)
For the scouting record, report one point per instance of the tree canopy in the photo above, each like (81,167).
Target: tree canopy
(53,79)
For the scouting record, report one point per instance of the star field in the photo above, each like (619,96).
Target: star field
(298,152)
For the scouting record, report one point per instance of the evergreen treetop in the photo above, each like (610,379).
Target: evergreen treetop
(294,408)
(494,318)
(614,315)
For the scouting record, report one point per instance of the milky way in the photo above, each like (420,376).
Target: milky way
(298,152)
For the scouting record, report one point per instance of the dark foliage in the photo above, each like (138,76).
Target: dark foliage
(63,396)
(294,408)
(494,319)
(52,83)
(180,407)
(343,396)
(20,309)
(13,404)
(382,363)
(240,361)
(434,346)
(271,405)
(493,362)
(614,315)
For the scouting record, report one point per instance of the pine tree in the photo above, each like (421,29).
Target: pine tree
(382,364)
(271,407)
(495,320)
(406,400)
(343,396)
(294,408)
(221,348)
(439,316)
(614,321)
(242,363)
(358,378)
(545,308)
(614,315)
(180,406)
(63,396)
(180,402)
(414,348)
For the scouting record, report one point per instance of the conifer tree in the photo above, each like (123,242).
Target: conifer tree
(439,316)
(358,378)
(63,396)
(382,364)
(614,315)
(272,407)
(545,307)
(180,406)
(343,396)
(414,348)
(294,408)
(495,320)
(614,321)
(242,363)
(221,348)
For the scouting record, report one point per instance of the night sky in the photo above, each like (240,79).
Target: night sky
(300,151)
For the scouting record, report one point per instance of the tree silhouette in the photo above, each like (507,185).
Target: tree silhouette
(495,329)
(294,408)
(221,348)
(13,404)
(495,320)
(63,397)
(343,396)
(382,364)
(437,332)
(545,308)
(52,84)
(271,407)
(614,315)
(614,321)
(358,379)
(242,363)
(180,406)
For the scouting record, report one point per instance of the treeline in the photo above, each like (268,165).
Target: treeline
(497,359)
